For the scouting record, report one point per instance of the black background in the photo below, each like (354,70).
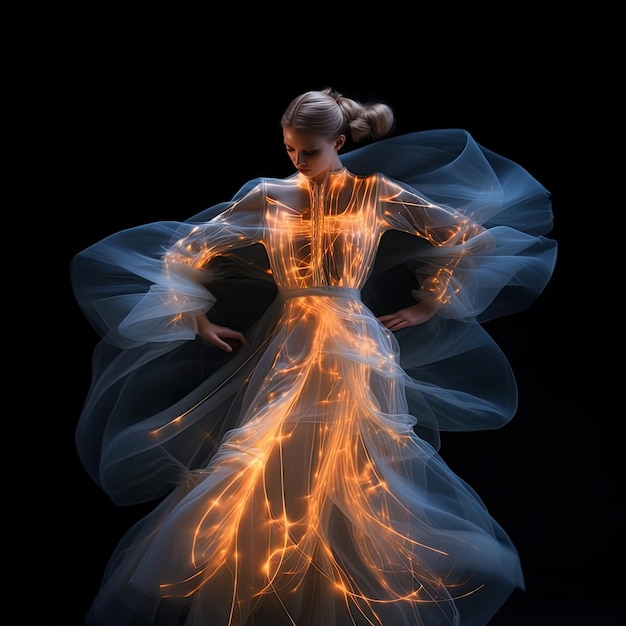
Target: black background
(159,130)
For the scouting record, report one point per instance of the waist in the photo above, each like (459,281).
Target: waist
(333,292)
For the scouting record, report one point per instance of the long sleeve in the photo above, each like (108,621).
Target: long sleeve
(449,180)
(180,292)
(145,284)
(455,243)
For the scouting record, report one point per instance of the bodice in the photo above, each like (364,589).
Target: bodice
(322,234)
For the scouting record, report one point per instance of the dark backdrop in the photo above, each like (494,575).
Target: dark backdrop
(157,139)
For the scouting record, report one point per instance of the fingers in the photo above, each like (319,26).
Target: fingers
(401,319)
(393,322)
(398,325)
(389,320)
(411,316)
(224,338)
(241,338)
(223,345)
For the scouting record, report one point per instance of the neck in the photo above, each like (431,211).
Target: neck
(336,167)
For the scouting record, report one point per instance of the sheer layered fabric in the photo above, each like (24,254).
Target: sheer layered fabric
(298,480)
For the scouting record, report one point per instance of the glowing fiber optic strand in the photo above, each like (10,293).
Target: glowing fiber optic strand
(307,487)
(256,470)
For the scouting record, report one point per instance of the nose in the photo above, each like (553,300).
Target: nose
(300,158)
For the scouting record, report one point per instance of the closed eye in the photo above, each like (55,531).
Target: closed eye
(307,152)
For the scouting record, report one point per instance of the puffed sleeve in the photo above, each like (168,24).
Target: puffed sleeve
(454,244)
(482,222)
(147,283)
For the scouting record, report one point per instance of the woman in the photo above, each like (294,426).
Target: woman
(278,367)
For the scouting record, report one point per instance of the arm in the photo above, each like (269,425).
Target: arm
(450,243)
(177,302)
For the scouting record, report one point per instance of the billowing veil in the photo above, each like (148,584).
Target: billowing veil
(449,167)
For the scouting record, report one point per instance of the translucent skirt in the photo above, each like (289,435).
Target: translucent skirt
(321,505)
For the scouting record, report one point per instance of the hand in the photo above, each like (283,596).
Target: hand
(220,336)
(411,316)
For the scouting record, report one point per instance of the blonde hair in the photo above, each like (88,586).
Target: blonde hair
(329,113)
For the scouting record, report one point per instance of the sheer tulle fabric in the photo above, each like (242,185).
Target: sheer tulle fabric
(300,479)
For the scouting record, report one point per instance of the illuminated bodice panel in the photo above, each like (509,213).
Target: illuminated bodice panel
(322,234)
(326,234)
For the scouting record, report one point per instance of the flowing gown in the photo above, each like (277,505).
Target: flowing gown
(299,480)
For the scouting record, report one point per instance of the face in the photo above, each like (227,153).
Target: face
(312,155)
